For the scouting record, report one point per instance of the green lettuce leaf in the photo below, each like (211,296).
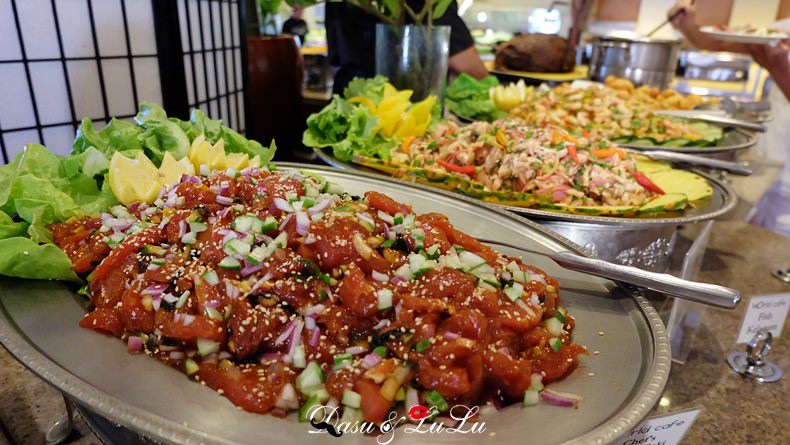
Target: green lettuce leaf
(10,228)
(25,258)
(469,98)
(116,136)
(372,88)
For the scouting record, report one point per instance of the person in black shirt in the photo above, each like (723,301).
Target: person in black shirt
(351,37)
(295,25)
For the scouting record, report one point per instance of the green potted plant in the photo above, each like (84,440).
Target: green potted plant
(267,13)
(410,50)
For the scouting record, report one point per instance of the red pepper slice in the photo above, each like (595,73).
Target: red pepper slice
(573,153)
(465,169)
(645,182)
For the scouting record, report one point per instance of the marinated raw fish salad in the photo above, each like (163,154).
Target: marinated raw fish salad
(282,292)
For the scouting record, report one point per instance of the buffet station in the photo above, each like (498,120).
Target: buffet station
(558,251)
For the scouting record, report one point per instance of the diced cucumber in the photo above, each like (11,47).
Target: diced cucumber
(397,219)
(555,344)
(230,263)
(182,300)
(384,297)
(310,410)
(531,398)
(211,277)
(191,366)
(206,347)
(311,378)
(149,249)
(243,223)
(490,279)
(554,326)
(386,217)
(281,240)
(268,224)
(236,245)
(197,227)
(404,272)
(299,359)
(515,291)
(213,313)
(189,238)
(433,252)
(470,261)
(452,261)
(351,399)
(259,254)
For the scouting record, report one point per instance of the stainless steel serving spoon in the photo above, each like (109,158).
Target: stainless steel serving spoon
(733,167)
(705,293)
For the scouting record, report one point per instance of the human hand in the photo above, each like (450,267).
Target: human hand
(683,16)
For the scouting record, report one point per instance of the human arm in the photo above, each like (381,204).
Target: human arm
(468,61)
(685,21)
(775,60)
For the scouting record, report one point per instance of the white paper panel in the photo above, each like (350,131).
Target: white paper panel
(229,74)
(223,106)
(214,110)
(233,119)
(140,18)
(226,18)
(182,24)
(217,24)
(75,28)
(237,66)
(206,28)
(84,79)
(38,29)
(59,139)
(146,72)
(190,83)
(235,21)
(49,88)
(118,82)
(194,23)
(9,43)
(14,90)
(212,85)
(108,16)
(15,141)
(241,126)
(200,76)
(222,62)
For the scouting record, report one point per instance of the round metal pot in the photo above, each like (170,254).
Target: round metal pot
(643,61)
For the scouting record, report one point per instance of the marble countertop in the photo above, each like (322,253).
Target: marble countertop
(734,410)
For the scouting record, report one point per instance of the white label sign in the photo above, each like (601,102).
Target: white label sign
(766,312)
(661,430)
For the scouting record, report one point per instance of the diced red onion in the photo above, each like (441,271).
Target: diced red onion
(559,195)
(451,336)
(315,217)
(250,268)
(155,303)
(533,298)
(285,221)
(285,333)
(155,289)
(397,279)
(224,355)
(302,223)
(329,293)
(412,398)
(185,319)
(520,303)
(152,266)
(559,399)
(319,206)
(383,323)
(355,350)
(224,200)
(288,399)
(296,338)
(536,378)
(118,223)
(378,276)
(505,350)
(223,213)
(232,291)
(371,360)
(170,298)
(309,323)
(314,310)
(366,218)
(224,187)
(260,282)
(270,357)
(283,205)
(134,344)
(212,304)
(211,358)
(316,336)
(167,348)
(176,355)
(229,235)
(182,228)
(310,239)
(398,308)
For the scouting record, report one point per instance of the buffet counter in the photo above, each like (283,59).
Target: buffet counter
(734,410)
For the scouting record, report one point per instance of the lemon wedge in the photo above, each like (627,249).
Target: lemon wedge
(171,171)
(133,180)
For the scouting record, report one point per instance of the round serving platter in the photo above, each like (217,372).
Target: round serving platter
(734,140)
(620,380)
(722,201)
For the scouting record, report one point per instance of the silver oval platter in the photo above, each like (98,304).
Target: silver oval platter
(645,242)
(734,140)
(620,380)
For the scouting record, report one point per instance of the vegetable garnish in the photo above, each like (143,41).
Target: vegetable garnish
(280,313)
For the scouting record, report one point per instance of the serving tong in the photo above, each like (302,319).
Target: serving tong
(733,167)
(710,294)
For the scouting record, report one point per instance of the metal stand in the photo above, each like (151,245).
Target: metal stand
(752,364)
(62,428)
